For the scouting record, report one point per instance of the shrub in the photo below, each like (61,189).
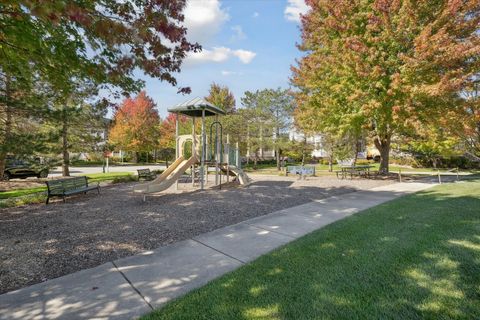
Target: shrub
(123,179)
(324,161)
(362,162)
(23,200)
(458,162)
(405,161)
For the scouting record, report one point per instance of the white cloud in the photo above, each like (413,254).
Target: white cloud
(294,9)
(255,14)
(231,73)
(219,55)
(238,34)
(244,55)
(204,19)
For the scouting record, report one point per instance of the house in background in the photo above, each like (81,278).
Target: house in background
(99,138)
(316,141)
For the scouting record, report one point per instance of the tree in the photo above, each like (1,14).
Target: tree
(258,123)
(433,143)
(280,108)
(19,114)
(167,141)
(72,127)
(136,125)
(388,65)
(103,42)
(221,97)
(465,125)
(267,116)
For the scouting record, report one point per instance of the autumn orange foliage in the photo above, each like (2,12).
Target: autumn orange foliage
(136,125)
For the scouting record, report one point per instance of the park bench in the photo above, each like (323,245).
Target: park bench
(146,174)
(68,187)
(360,171)
(301,170)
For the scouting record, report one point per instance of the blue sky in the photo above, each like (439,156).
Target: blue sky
(248,45)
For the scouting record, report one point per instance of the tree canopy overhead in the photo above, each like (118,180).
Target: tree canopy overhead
(103,40)
(387,65)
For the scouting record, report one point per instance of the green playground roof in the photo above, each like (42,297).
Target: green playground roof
(194,107)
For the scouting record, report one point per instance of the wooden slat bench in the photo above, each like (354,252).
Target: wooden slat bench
(360,171)
(146,174)
(67,187)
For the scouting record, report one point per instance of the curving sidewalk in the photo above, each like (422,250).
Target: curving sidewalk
(130,287)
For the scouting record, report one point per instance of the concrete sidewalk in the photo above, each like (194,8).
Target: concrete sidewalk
(132,286)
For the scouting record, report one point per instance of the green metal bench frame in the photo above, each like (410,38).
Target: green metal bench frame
(67,187)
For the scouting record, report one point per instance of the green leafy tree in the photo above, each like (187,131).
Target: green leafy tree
(434,143)
(75,126)
(21,112)
(268,117)
(103,42)
(388,65)
(221,97)
(257,122)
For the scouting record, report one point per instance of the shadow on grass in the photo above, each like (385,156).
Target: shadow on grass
(417,257)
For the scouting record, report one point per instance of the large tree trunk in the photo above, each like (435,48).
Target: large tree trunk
(7,136)
(248,145)
(330,159)
(304,147)
(355,156)
(383,146)
(65,154)
(277,153)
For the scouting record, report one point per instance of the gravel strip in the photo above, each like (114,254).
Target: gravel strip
(39,242)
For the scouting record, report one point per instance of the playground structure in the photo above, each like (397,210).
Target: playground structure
(203,154)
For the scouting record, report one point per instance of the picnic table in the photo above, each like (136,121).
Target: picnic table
(360,170)
(301,170)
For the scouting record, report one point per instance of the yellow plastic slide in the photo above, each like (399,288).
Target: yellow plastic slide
(168,177)
(239,173)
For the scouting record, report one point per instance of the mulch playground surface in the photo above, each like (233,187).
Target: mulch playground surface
(39,242)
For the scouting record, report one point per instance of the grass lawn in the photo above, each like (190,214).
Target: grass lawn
(99,177)
(92,178)
(417,257)
(20,192)
(323,169)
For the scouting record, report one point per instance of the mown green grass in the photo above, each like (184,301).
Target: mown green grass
(417,257)
(270,168)
(99,177)
(36,194)
(20,192)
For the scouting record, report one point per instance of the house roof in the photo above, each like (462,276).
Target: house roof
(194,107)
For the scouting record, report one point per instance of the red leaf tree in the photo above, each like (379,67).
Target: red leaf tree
(136,125)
